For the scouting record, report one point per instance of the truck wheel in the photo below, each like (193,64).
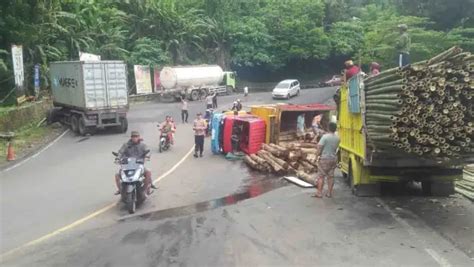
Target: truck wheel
(426,188)
(195,95)
(74,123)
(439,189)
(350,179)
(123,125)
(229,90)
(82,126)
(51,116)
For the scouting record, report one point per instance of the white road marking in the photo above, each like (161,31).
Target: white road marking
(36,154)
(411,231)
(85,218)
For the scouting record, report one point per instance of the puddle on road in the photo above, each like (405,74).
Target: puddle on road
(259,187)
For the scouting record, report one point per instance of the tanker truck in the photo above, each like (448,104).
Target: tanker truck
(196,82)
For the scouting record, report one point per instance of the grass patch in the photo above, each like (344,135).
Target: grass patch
(26,140)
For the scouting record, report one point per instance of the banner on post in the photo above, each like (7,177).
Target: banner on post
(142,79)
(37,80)
(19,73)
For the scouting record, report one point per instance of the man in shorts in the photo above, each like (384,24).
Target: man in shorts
(327,162)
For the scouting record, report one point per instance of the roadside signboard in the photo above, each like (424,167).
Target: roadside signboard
(142,79)
(18,72)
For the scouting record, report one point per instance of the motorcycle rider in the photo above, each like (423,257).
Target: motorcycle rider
(134,148)
(169,128)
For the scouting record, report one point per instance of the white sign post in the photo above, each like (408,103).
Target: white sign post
(18,71)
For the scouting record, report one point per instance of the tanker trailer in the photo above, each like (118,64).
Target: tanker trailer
(196,82)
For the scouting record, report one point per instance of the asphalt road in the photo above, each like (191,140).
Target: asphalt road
(213,212)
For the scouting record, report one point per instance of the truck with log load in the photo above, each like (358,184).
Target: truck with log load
(409,123)
(196,82)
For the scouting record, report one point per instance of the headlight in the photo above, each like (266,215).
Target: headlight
(130,172)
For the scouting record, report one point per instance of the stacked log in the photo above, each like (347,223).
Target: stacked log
(465,186)
(289,158)
(424,109)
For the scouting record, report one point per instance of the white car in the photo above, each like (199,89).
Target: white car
(286,89)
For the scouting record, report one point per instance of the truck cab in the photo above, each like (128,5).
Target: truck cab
(229,80)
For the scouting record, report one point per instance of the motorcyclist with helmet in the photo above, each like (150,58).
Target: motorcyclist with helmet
(169,128)
(134,148)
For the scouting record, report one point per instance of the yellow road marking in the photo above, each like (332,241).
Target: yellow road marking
(86,218)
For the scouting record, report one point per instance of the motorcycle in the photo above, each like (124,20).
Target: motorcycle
(132,177)
(165,142)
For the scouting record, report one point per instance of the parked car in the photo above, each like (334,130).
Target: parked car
(286,89)
(336,80)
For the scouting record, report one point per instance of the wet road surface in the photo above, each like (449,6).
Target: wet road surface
(214,212)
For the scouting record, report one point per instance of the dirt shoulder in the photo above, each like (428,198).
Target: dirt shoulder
(28,140)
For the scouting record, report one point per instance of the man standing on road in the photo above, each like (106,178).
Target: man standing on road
(246,91)
(327,162)
(184,110)
(136,149)
(214,101)
(317,127)
(199,128)
(403,46)
(209,101)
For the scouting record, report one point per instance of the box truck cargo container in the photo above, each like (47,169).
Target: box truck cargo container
(89,94)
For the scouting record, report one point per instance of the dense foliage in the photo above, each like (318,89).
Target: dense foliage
(268,35)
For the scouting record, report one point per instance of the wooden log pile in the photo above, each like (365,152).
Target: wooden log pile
(465,186)
(288,158)
(425,108)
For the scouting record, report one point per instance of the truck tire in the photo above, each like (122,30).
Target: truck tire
(123,125)
(439,189)
(229,90)
(82,128)
(51,116)
(350,179)
(195,95)
(74,124)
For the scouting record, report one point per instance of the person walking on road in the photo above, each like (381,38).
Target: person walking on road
(214,101)
(246,91)
(209,101)
(199,128)
(403,46)
(327,162)
(184,110)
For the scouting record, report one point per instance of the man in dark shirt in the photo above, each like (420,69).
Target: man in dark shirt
(134,148)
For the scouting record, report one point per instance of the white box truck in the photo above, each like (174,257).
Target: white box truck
(88,95)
